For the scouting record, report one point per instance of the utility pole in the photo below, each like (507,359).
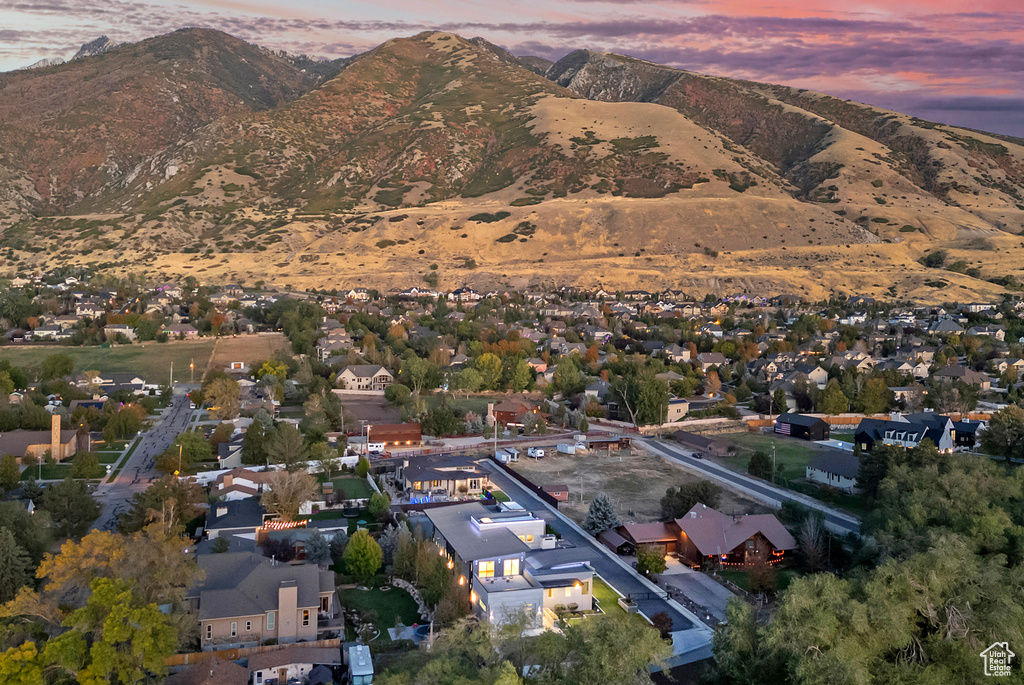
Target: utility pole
(581,489)
(773,462)
(192,371)
(172,373)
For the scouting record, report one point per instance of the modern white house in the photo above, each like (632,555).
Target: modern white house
(510,566)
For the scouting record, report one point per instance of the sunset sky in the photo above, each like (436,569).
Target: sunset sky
(955,61)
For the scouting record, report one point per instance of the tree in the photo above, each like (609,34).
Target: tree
(15,566)
(875,396)
(56,366)
(362,556)
(601,515)
(189,448)
(811,538)
(519,376)
(568,379)
(170,501)
(650,559)
(325,457)
(71,507)
(467,380)
(779,403)
(833,401)
(760,465)
(362,467)
(397,394)
(286,447)
(87,465)
(643,395)
(488,365)
(10,474)
(712,384)
(286,492)
(663,622)
(223,396)
(318,550)
(1005,434)
(421,374)
(254,445)
(379,505)
(678,501)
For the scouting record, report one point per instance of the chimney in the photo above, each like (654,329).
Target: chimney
(55,437)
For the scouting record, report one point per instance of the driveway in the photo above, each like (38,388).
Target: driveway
(837,521)
(708,596)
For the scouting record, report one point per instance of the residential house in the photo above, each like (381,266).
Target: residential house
(710,360)
(677,409)
(444,476)
(242,516)
(183,331)
(907,430)
(214,671)
(677,353)
(560,491)
(294,662)
(511,567)
(111,331)
(657,535)
(709,536)
(834,468)
(961,373)
(511,412)
(371,377)
(245,599)
(702,444)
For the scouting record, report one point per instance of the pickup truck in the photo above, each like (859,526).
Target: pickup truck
(535,452)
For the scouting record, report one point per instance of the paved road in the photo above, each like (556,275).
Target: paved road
(621,577)
(140,469)
(835,520)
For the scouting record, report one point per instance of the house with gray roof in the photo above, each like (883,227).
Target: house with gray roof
(245,599)
(834,468)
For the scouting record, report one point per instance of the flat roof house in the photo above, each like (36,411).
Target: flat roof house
(447,476)
(510,565)
(245,599)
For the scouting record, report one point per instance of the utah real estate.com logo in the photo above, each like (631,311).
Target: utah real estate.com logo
(997,659)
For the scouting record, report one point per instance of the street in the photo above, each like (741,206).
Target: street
(836,521)
(140,470)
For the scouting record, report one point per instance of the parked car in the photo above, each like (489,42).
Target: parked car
(535,452)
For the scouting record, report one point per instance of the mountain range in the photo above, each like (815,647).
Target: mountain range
(198,153)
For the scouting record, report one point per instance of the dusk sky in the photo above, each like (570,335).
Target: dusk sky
(954,61)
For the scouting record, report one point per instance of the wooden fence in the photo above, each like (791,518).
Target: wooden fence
(237,653)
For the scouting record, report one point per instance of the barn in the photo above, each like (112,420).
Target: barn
(800,426)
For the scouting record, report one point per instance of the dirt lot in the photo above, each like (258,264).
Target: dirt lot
(635,481)
(373,408)
(246,348)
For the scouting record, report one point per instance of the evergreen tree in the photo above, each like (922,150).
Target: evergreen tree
(15,566)
(362,556)
(760,465)
(779,405)
(318,550)
(601,515)
(833,400)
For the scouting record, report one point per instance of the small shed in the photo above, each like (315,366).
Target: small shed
(611,539)
(560,491)
(802,426)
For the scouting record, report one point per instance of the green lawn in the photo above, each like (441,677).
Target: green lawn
(351,487)
(389,605)
(109,457)
(607,597)
(782,579)
(499,496)
(49,472)
(461,405)
(152,360)
(791,454)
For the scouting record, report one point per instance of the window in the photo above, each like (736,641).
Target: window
(526,538)
(585,589)
(234,628)
(551,593)
(271,615)
(435,483)
(474,484)
(305,617)
(485,569)
(511,567)
(209,631)
(259,677)
(568,592)
(248,626)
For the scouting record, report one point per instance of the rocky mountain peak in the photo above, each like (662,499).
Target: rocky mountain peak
(95,47)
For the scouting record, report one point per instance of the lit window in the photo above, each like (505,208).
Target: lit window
(305,617)
(271,616)
(568,592)
(585,589)
(234,628)
(511,567)
(485,569)
(551,593)
(529,538)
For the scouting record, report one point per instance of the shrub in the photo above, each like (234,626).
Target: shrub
(507,238)
(485,218)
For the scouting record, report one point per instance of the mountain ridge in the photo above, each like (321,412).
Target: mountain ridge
(381,166)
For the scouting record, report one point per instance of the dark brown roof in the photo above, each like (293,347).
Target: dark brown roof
(560,487)
(212,671)
(643,533)
(394,432)
(713,532)
(17,442)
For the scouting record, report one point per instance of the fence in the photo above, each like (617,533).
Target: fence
(237,653)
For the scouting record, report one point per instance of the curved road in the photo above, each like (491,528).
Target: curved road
(140,470)
(835,520)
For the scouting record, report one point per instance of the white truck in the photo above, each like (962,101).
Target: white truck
(535,452)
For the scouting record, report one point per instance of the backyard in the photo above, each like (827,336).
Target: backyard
(791,458)
(634,480)
(389,605)
(349,487)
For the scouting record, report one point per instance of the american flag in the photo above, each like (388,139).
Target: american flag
(782,428)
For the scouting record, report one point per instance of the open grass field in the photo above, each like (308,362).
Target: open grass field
(635,482)
(246,348)
(791,454)
(150,360)
(351,487)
